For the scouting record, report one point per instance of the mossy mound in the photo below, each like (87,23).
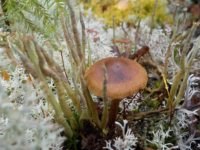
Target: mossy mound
(139,8)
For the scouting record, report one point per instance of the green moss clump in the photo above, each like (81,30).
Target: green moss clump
(140,8)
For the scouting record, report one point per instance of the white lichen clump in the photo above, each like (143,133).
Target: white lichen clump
(127,142)
(180,121)
(27,125)
(130,104)
(159,138)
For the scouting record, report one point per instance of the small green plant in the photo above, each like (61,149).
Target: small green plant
(72,143)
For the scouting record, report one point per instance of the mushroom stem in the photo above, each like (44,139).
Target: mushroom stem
(113,113)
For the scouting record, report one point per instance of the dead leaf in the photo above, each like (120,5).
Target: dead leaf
(125,41)
(6,76)
(194,10)
(92,31)
(29,78)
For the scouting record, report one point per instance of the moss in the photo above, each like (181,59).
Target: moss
(141,8)
(158,83)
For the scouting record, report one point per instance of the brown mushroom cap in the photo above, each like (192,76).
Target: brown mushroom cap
(125,77)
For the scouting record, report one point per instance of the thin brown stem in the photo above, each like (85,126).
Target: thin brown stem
(15,62)
(152,17)
(113,114)
(127,34)
(83,33)
(75,30)
(136,34)
(105,99)
(128,105)
(64,66)
(114,30)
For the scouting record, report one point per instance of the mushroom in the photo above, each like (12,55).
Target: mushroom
(125,77)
